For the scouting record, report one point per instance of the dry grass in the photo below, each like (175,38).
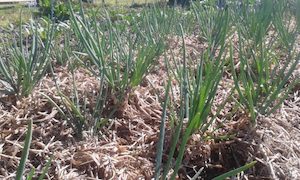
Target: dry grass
(11,16)
(126,147)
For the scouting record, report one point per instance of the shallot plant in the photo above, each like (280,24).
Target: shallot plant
(118,56)
(266,57)
(26,63)
(198,87)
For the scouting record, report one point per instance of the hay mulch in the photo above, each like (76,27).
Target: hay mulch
(125,148)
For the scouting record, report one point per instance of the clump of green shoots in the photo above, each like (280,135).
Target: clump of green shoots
(198,89)
(119,58)
(62,50)
(159,22)
(265,64)
(76,108)
(209,24)
(24,66)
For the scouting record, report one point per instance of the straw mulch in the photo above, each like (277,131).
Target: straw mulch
(126,146)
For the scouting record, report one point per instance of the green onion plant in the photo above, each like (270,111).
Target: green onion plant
(198,89)
(24,66)
(262,75)
(116,55)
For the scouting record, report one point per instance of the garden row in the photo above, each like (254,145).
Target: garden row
(253,44)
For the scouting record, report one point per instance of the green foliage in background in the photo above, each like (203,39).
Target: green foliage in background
(59,9)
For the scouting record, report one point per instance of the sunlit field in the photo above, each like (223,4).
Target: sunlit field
(150,90)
